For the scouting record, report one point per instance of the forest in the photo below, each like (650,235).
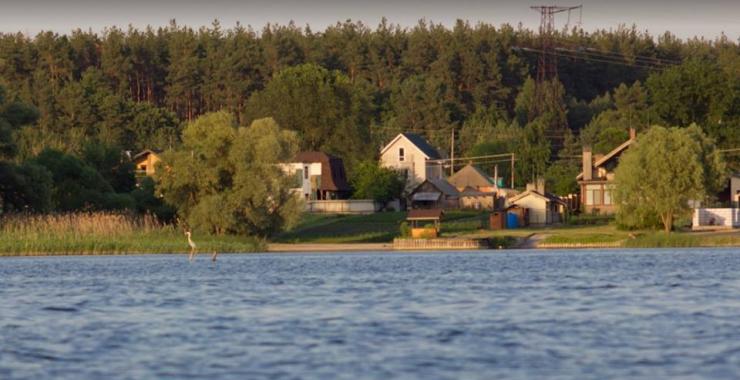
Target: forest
(71,103)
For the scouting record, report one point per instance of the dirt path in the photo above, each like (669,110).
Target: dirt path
(317,247)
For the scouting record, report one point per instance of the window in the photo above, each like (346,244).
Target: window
(593,195)
(305,172)
(401,154)
(608,195)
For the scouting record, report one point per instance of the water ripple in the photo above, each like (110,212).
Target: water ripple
(447,315)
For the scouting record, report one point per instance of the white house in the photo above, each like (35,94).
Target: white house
(414,157)
(318,176)
(542,207)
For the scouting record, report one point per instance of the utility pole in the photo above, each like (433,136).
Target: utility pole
(452,152)
(512,170)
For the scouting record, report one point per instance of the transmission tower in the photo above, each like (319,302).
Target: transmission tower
(547,64)
(547,70)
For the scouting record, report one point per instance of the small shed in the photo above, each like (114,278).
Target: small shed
(145,162)
(425,223)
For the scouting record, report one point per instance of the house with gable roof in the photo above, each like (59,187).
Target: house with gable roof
(597,178)
(412,156)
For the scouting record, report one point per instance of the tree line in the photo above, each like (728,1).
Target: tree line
(349,88)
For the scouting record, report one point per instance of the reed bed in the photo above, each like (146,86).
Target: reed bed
(106,233)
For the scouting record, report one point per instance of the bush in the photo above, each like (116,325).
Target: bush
(405,230)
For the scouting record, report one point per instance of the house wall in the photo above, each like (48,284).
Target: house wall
(599,203)
(314,169)
(414,162)
(486,202)
(538,213)
(146,165)
(735,191)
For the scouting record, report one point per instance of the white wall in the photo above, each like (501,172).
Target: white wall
(314,168)
(537,206)
(414,161)
(721,217)
(344,206)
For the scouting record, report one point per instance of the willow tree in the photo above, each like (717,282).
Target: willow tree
(662,172)
(227,179)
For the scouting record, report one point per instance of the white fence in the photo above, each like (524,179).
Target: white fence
(348,206)
(716,217)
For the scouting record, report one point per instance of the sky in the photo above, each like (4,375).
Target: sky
(685,19)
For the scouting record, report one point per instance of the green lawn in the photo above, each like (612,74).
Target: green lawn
(333,228)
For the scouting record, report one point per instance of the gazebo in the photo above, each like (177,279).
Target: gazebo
(425,223)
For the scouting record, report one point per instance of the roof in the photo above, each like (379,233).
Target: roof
(145,153)
(336,180)
(471,192)
(546,196)
(616,151)
(430,214)
(445,187)
(423,145)
(470,176)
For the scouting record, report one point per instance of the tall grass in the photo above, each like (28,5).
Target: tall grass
(105,233)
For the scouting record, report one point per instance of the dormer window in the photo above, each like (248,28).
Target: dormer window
(401,154)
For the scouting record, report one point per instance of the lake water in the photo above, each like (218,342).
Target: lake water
(450,315)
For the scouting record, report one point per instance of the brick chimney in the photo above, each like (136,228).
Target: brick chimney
(540,185)
(633,134)
(587,163)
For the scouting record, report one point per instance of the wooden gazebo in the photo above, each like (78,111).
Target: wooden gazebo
(425,223)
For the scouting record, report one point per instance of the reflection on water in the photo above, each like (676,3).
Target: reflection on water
(460,315)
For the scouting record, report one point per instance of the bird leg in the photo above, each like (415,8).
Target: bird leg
(213,257)
(192,254)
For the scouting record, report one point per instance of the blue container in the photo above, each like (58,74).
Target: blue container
(512,220)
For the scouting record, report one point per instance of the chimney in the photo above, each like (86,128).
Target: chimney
(531,186)
(540,185)
(587,163)
(633,133)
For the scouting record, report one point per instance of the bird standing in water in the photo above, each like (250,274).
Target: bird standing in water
(192,246)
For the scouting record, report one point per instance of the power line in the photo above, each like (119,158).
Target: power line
(601,59)
(574,55)
(615,58)
(473,157)
(619,55)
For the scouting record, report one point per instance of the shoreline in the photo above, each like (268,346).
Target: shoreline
(358,248)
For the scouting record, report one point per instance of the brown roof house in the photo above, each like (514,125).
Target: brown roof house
(145,162)
(478,189)
(542,208)
(597,178)
(318,176)
(412,156)
(435,193)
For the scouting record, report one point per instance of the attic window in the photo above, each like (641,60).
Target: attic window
(401,154)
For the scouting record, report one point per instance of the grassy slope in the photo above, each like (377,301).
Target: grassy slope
(383,227)
(374,228)
(331,228)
